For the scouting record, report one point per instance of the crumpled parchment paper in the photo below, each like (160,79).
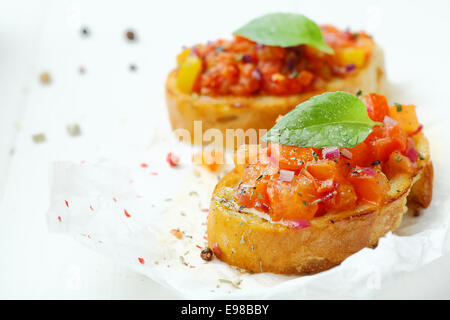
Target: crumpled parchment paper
(88,202)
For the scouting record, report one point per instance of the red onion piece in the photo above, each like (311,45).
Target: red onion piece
(216,250)
(347,154)
(256,74)
(299,224)
(246,58)
(350,67)
(330,153)
(389,121)
(262,207)
(286,175)
(369,171)
(412,154)
(419,128)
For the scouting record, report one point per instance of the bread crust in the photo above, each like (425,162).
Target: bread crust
(250,242)
(260,111)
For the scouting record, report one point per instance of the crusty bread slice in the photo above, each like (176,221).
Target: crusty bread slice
(261,111)
(251,242)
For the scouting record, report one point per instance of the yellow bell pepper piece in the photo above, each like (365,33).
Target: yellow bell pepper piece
(188,73)
(406,116)
(182,56)
(354,56)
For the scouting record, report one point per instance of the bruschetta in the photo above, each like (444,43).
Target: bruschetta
(243,84)
(302,210)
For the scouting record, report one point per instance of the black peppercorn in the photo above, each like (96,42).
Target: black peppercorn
(132,67)
(206,254)
(85,32)
(376,162)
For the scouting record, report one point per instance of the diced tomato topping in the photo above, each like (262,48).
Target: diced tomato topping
(398,163)
(242,67)
(361,155)
(406,116)
(369,187)
(252,191)
(310,186)
(290,158)
(344,198)
(377,106)
(294,200)
(322,169)
(383,140)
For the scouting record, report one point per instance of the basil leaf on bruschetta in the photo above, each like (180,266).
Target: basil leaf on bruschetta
(284,30)
(333,119)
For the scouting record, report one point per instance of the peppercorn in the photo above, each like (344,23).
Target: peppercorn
(130,35)
(132,67)
(85,32)
(45,77)
(376,162)
(206,254)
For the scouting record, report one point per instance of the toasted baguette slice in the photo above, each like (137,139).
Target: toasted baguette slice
(261,111)
(248,241)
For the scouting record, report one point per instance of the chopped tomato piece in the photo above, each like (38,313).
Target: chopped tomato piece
(322,169)
(361,155)
(384,140)
(397,163)
(326,186)
(383,147)
(377,106)
(252,191)
(253,196)
(291,201)
(406,116)
(343,198)
(290,158)
(369,186)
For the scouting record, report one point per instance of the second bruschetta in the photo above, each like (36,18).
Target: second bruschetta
(243,84)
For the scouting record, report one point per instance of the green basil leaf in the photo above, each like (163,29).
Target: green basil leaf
(333,119)
(284,30)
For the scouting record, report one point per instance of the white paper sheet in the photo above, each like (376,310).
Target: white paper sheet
(159,198)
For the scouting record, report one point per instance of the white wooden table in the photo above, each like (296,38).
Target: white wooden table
(116,109)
